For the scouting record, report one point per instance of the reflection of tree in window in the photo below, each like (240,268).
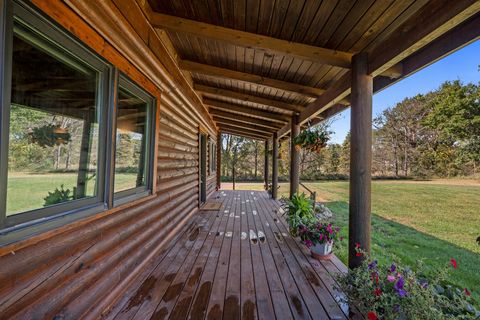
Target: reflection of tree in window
(130,142)
(53,124)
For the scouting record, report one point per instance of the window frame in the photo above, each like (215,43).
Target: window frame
(128,195)
(27,223)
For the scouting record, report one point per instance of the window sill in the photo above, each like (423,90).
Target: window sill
(17,239)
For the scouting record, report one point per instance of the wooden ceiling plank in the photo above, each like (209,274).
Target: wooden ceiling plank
(421,30)
(249,78)
(247,131)
(259,42)
(243,134)
(247,97)
(243,125)
(215,104)
(433,20)
(245,119)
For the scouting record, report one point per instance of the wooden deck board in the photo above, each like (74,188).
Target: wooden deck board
(236,263)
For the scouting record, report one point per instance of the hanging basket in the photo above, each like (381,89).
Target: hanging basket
(312,140)
(49,135)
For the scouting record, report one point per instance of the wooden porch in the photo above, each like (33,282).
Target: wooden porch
(238,262)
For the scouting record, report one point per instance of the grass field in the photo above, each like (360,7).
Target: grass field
(27,191)
(411,221)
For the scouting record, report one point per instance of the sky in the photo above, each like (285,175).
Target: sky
(461,65)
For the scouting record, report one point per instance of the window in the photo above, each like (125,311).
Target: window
(133,137)
(66,146)
(213,157)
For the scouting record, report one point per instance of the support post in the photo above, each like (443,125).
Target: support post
(294,157)
(265,166)
(219,160)
(274,166)
(360,158)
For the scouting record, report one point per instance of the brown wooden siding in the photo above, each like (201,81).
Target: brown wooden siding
(83,267)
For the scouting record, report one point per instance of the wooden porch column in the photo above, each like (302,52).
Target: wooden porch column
(294,157)
(360,158)
(274,166)
(219,160)
(265,166)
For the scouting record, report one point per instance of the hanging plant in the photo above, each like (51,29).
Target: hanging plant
(312,139)
(49,135)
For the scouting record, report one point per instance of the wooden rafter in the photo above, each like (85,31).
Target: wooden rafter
(249,78)
(218,92)
(437,19)
(248,131)
(244,110)
(243,133)
(245,119)
(263,43)
(243,125)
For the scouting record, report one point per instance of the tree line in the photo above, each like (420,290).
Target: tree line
(436,134)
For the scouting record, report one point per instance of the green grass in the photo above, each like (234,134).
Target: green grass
(415,221)
(27,191)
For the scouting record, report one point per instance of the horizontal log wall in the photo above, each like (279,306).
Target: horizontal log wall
(79,270)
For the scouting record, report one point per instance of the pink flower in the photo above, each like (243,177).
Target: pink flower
(372,315)
(357,245)
(467,293)
(378,292)
(308,243)
(453,262)
(390,278)
(321,237)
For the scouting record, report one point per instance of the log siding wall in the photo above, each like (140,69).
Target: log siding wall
(81,268)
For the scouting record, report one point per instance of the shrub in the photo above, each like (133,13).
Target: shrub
(395,292)
(299,212)
(59,196)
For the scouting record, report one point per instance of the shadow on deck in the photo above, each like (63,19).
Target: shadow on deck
(238,262)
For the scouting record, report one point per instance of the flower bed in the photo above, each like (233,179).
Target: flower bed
(396,292)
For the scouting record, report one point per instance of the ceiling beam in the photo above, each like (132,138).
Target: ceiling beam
(259,42)
(417,34)
(218,92)
(243,125)
(244,136)
(245,110)
(249,78)
(244,119)
(247,131)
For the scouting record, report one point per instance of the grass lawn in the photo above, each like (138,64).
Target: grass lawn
(27,191)
(433,222)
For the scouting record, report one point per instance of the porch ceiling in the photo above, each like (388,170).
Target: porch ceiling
(268,60)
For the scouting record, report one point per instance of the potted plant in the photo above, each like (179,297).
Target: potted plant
(299,210)
(319,238)
(312,139)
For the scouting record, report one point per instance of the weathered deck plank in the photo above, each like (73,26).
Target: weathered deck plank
(236,263)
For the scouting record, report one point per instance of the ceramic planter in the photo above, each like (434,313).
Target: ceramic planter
(322,251)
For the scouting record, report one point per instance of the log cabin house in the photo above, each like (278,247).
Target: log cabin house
(154,84)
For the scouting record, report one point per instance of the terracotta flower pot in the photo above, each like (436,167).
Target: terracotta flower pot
(322,251)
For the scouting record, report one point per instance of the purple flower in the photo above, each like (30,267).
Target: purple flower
(400,283)
(390,278)
(372,265)
(402,293)
(393,267)
(399,287)
(423,283)
(396,308)
(308,243)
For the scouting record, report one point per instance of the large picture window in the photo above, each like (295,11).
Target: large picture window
(57,114)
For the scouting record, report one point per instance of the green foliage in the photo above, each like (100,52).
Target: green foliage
(59,196)
(299,211)
(313,139)
(394,292)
